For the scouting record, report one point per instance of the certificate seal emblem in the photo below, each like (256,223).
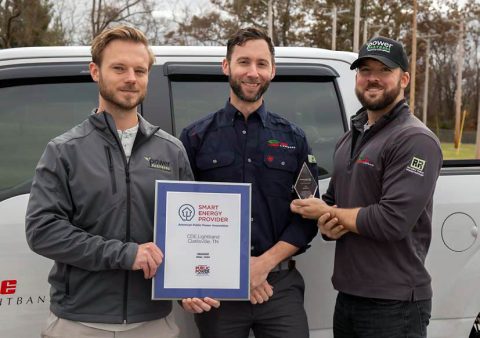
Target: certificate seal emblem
(186,212)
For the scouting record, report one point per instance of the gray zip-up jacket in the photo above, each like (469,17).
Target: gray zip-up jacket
(88,211)
(390,171)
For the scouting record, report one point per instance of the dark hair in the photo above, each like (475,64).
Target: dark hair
(246,34)
(124,33)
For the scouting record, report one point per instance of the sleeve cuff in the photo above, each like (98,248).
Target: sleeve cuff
(361,221)
(130,254)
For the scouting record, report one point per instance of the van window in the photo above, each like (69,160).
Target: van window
(310,102)
(466,148)
(194,98)
(30,116)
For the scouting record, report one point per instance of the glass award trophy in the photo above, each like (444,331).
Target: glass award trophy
(305,186)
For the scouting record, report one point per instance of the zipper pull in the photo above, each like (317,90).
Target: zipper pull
(109,158)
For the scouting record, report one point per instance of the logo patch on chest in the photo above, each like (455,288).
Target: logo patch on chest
(362,159)
(279,144)
(158,164)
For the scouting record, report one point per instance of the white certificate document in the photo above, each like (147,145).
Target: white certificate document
(203,230)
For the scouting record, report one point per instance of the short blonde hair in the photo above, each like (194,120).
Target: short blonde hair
(124,33)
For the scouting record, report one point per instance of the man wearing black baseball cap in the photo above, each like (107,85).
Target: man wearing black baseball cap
(387,51)
(385,172)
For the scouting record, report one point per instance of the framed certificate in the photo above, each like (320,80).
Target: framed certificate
(203,229)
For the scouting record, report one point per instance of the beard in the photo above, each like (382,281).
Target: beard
(237,90)
(387,98)
(111,96)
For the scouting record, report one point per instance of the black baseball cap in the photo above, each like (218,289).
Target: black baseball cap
(389,52)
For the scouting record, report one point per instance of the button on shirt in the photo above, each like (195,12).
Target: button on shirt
(265,150)
(127,138)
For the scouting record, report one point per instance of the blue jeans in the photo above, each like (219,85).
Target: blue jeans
(359,317)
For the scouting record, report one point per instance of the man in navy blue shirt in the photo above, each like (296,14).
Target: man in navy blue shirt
(243,142)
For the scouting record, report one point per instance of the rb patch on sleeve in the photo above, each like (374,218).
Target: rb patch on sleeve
(417,165)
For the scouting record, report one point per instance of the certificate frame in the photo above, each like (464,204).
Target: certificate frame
(163,192)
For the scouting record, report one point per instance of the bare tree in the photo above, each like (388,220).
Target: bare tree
(103,12)
(68,12)
(226,16)
(86,19)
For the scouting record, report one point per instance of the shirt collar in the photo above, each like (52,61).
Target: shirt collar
(230,111)
(102,119)
(361,117)
(130,131)
(359,120)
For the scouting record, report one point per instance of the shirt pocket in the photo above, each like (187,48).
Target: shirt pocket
(215,166)
(279,174)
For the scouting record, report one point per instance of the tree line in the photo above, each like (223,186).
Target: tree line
(306,23)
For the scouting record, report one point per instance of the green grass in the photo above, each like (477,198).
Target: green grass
(464,152)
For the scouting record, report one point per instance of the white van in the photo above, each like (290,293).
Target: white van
(46,91)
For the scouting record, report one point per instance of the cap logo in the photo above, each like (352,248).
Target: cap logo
(380,46)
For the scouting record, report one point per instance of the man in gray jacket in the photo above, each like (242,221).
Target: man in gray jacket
(91,205)
(385,171)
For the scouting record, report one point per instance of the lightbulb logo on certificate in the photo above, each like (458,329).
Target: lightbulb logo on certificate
(204,231)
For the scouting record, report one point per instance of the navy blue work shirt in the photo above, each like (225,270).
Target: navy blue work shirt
(265,150)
